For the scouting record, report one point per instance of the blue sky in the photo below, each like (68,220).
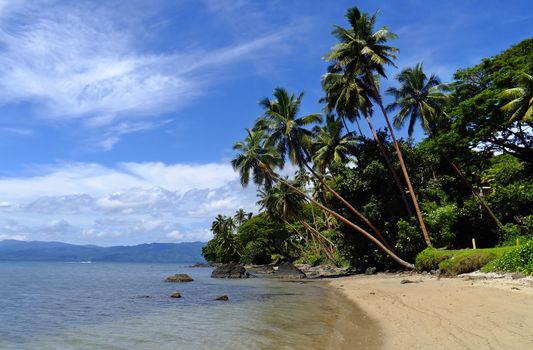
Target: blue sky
(117,118)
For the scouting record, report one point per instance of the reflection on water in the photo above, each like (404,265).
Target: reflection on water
(127,306)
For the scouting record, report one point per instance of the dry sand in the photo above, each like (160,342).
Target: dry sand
(447,313)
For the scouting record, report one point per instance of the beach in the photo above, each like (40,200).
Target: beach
(425,312)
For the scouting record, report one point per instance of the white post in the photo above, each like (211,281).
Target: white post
(473,243)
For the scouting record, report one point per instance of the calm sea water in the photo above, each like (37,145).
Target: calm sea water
(127,306)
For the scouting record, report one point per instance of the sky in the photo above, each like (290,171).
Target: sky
(117,118)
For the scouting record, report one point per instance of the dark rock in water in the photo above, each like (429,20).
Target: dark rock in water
(222,298)
(288,270)
(175,294)
(180,277)
(231,270)
(371,271)
(201,265)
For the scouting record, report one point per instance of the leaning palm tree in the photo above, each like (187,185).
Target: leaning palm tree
(420,98)
(521,105)
(363,52)
(286,132)
(257,160)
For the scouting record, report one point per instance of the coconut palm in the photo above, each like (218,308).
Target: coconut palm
(521,105)
(418,98)
(241,216)
(362,52)
(223,228)
(330,144)
(255,158)
(284,128)
(251,160)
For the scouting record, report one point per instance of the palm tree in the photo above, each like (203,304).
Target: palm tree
(241,216)
(286,132)
(362,52)
(330,145)
(521,105)
(255,158)
(223,228)
(417,99)
(422,99)
(251,160)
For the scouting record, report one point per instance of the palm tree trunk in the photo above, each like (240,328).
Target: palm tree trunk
(377,97)
(360,230)
(313,231)
(390,166)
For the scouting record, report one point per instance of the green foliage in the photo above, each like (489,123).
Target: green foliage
(409,241)
(440,222)
(430,258)
(517,259)
(504,170)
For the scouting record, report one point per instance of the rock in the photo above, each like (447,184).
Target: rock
(371,271)
(201,265)
(517,275)
(287,270)
(175,294)
(231,270)
(180,277)
(222,298)
(408,281)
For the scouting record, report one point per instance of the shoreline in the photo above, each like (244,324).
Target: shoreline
(469,312)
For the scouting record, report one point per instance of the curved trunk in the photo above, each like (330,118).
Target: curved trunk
(390,166)
(478,197)
(349,206)
(360,230)
(313,231)
(400,158)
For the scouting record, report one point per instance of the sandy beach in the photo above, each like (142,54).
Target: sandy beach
(431,313)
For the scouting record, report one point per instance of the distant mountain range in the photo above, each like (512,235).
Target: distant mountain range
(12,250)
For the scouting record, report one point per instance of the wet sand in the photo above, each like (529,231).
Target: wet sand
(450,313)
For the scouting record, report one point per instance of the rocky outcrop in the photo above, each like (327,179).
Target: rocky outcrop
(179,277)
(287,270)
(175,294)
(231,270)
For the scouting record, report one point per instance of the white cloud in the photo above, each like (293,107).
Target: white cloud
(129,203)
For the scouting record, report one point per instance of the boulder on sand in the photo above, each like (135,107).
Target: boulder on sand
(179,277)
(231,270)
(287,270)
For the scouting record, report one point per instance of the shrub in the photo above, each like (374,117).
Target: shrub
(440,222)
(464,263)
(519,259)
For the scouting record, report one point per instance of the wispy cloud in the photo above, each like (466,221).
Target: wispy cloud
(71,64)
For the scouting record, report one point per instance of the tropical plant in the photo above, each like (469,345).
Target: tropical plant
(521,105)
(418,98)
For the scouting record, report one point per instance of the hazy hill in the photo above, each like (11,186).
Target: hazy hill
(12,250)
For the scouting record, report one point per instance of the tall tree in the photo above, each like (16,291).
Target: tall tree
(362,51)
(418,98)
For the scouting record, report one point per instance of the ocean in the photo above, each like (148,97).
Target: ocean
(127,306)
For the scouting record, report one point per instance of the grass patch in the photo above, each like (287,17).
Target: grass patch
(454,262)
(518,259)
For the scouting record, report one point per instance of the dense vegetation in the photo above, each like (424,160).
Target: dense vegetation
(374,200)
